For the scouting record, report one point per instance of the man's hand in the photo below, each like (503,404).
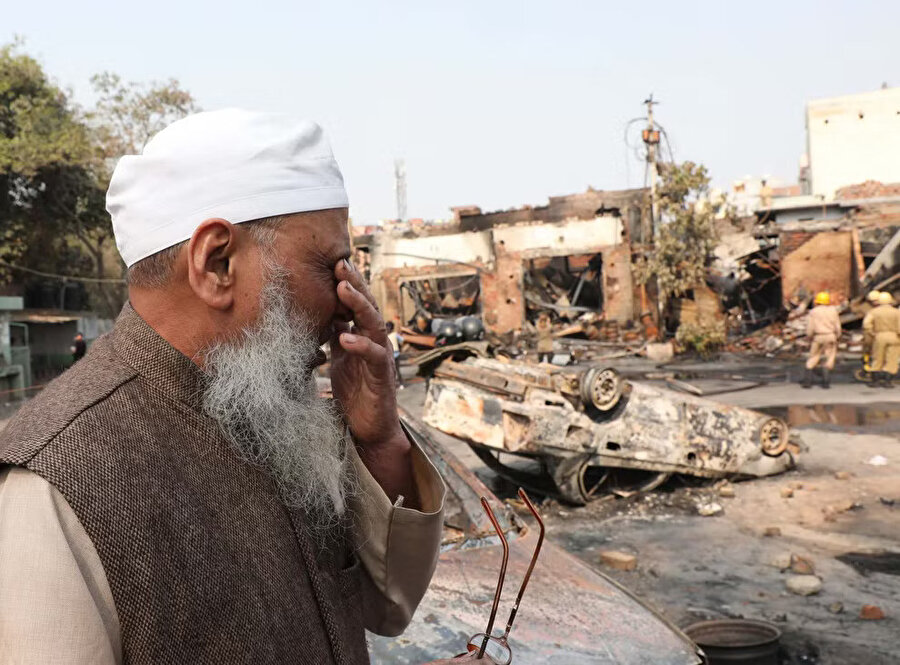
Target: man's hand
(362,379)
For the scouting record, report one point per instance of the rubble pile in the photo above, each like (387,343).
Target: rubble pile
(788,338)
(870,189)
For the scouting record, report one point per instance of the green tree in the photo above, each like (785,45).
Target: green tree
(42,144)
(686,233)
(124,118)
(127,115)
(55,164)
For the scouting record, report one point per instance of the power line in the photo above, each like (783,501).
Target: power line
(64,278)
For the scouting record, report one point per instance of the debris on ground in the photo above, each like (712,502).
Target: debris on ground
(710,509)
(877,460)
(801,565)
(787,492)
(660,352)
(871,613)
(781,561)
(771,532)
(803,585)
(618,560)
(833,510)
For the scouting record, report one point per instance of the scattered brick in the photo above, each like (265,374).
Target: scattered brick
(801,565)
(803,585)
(871,613)
(619,560)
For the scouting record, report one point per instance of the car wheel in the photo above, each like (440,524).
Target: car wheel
(773,437)
(591,480)
(601,388)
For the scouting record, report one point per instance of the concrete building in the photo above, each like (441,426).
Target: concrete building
(852,139)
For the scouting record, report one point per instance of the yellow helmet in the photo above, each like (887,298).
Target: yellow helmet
(885,298)
(823,298)
(873,296)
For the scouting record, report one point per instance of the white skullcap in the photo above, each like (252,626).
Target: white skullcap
(234,164)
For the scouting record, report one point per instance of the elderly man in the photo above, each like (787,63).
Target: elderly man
(823,328)
(182,494)
(881,328)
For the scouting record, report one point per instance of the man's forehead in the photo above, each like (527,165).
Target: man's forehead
(325,230)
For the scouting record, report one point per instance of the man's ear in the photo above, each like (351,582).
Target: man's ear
(210,262)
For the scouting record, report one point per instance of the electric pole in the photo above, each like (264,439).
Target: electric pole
(400,188)
(651,139)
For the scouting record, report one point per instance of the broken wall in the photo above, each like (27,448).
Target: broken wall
(498,256)
(398,259)
(818,261)
(571,237)
(618,285)
(503,300)
(704,309)
(513,245)
(627,203)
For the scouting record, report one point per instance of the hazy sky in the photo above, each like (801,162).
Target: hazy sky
(491,103)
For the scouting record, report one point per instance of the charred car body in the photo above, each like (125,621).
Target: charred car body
(591,431)
(570,613)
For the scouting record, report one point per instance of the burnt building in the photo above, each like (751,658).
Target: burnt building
(569,257)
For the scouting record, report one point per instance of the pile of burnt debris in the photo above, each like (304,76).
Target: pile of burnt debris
(787,335)
(565,274)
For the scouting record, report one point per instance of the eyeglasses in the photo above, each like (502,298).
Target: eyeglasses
(496,648)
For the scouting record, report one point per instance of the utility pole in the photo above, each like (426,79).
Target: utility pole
(651,139)
(400,188)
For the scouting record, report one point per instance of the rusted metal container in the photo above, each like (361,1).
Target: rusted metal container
(736,641)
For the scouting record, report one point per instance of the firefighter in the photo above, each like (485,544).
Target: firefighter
(823,327)
(881,328)
(870,304)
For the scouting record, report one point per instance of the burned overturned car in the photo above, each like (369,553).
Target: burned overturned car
(590,431)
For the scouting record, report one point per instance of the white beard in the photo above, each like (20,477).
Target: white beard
(262,392)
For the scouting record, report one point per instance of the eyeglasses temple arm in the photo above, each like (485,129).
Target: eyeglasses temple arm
(499,530)
(534,558)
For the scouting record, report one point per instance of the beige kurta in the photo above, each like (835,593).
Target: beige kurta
(56,605)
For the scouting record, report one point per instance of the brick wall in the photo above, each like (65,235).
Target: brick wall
(817,262)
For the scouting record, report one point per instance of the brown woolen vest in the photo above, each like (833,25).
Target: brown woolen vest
(205,563)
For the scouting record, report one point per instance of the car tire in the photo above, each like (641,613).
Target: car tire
(601,388)
(774,436)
